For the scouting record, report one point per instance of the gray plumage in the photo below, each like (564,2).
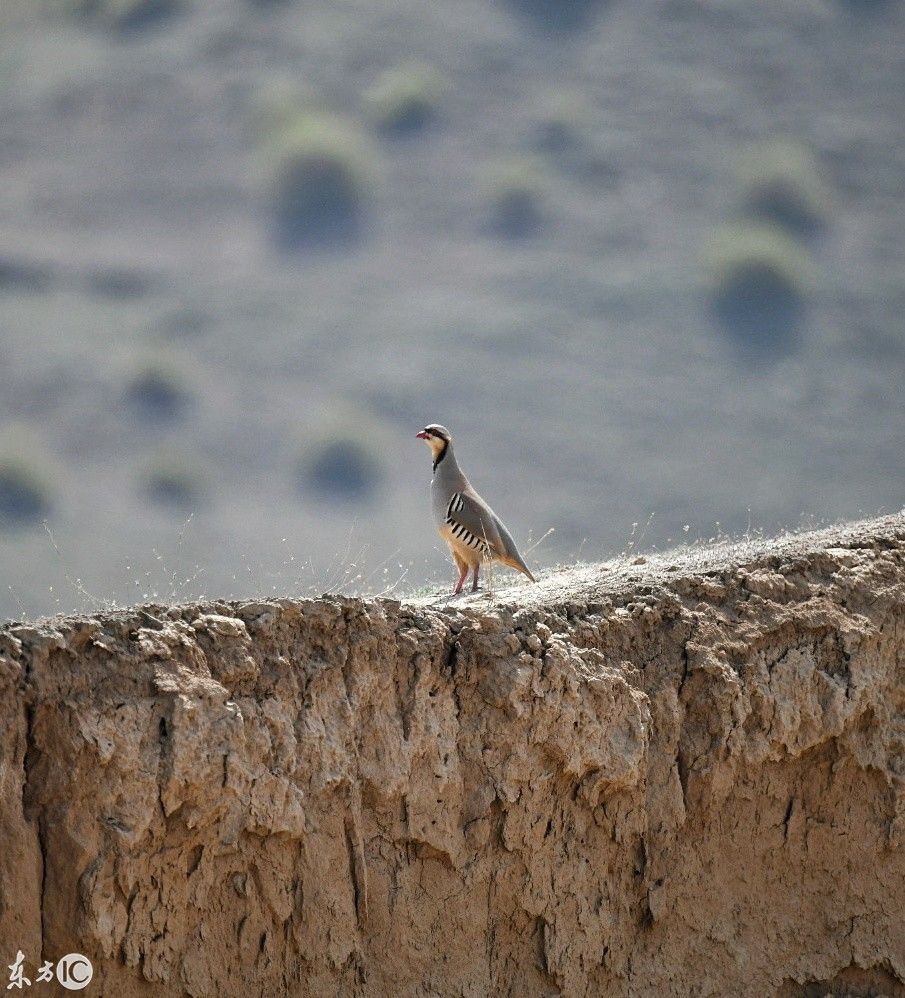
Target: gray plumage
(470,527)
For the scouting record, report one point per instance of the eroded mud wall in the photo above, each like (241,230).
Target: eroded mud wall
(682,779)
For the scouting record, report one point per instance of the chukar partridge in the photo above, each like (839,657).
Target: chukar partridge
(469,526)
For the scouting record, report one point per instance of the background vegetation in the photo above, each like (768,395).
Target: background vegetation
(647,260)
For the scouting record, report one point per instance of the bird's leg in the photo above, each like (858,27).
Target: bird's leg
(463,571)
(474,584)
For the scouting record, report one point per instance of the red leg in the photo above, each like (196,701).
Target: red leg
(463,571)
(474,584)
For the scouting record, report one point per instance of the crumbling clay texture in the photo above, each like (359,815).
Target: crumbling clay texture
(683,777)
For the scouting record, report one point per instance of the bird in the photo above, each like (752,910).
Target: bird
(469,526)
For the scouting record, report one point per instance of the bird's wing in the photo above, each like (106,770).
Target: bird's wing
(473,522)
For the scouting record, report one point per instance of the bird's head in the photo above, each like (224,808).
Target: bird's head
(437,437)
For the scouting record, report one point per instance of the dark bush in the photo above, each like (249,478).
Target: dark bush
(24,275)
(760,280)
(781,184)
(339,467)
(561,123)
(125,15)
(26,490)
(173,479)
(558,15)
(119,283)
(514,194)
(157,390)
(867,8)
(405,99)
(184,323)
(320,177)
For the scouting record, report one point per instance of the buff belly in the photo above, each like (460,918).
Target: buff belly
(460,550)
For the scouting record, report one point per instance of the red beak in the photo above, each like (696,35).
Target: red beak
(422,435)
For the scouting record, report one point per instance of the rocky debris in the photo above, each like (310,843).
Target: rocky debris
(686,780)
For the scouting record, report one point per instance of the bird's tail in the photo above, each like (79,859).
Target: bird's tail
(509,555)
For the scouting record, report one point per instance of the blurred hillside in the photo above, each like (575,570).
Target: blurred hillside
(642,258)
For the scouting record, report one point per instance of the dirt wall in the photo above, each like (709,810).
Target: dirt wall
(676,777)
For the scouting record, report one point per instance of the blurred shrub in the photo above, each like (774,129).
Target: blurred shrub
(561,122)
(184,323)
(276,104)
(24,275)
(760,280)
(558,15)
(27,484)
(340,464)
(173,478)
(123,15)
(868,8)
(158,390)
(405,100)
(320,179)
(781,184)
(119,283)
(514,196)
